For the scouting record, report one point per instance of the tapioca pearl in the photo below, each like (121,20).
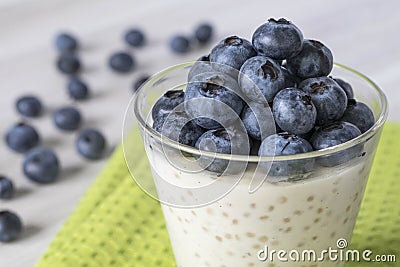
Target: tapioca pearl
(282,199)
(310,207)
(299,245)
(218,238)
(264,218)
(333,234)
(228,236)
(355,196)
(306,228)
(205,229)
(190,193)
(226,215)
(348,208)
(314,237)
(235,221)
(250,235)
(187,220)
(250,264)
(246,214)
(271,265)
(275,243)
(317,220)
(320,210)
(179,218)
(253,205)
(345,220)
(193,213)
(263,239)
(298,212)
(257,246)
(271,208)
(210,211)
(310,198)
(237,237)
(286,220)
(287,230)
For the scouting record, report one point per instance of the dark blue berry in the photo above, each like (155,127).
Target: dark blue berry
(347,88)
(294,111)
(328,97)
(67,118)
(179,44)
(29,106)
(261,76)
(211,99)
(290,79)
(314,60)
(41,165)
(167,103)
(22,137)
(225,141)
(6,188)
(121,62)
(66,42)
(10,226)
(201,65)
(233,51)
(258,120)
(135,37)
(139,82)
(278,39)
(282,144)
(91,144)
(77,89)
(335,134)
(203,33)
(68,63)
(359,114)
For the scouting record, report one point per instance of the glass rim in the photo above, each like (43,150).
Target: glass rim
(253,158)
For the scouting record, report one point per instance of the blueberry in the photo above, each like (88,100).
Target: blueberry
(334,134)
(225,141)
(179,127)
(212,96)
(22,137)
(263,75)
(328,97)
(290,79)
(29,106)
(201,65)
(121,62)
(139,81)
(135,37)
(77,89)
(67,118)
(281,144)
(41,165)
(359,114)
(6,188)
(278,39)
(179,44)
(68,63)
(66,42)
(233,51)
(294,111)
(203,33)
(167,103)
(347,88)
(314,60)
(258,120)
(10,226)
(91,144)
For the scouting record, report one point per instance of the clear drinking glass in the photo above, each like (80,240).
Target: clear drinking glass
(215,220)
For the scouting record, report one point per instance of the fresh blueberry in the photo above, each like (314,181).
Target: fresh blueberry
(22,137)
(77,89)
(347,88)
(135,37)
(66,42)
(41,165)
(359,114)
(282,144)
(6,188)
(179,44)
(278,39)
(225,141)
(258,120)
(290,79)
(29,106)
(179,127)
(233,51)
(328,97)
(121,62)
(212,96)
(314,60)
(201,65)
(261,76)
(203,33)
(139,81)
(334,134)
(68,63)
(91,144)
(10,226)
(67,118)
(294,111)
(167,103)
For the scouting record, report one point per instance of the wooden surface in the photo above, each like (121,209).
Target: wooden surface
(362,34)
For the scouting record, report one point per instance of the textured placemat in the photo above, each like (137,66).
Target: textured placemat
(116,224)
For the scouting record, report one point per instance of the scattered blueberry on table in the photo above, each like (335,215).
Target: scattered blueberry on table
(179,44)
(68,63)
(139,81)
(29,106)
(66,42)
(21,137)
(6,188)
(10,226)
(203,33)
(91,143)
(41,165)
(77,89)
(121,62)
(67,118)
(135,37)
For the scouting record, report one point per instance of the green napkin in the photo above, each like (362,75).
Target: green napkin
(117,224)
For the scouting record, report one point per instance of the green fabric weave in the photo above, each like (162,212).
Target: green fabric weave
(116,224)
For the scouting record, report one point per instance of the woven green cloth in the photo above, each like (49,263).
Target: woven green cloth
(116,224)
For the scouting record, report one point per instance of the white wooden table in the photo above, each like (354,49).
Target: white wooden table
(362,34)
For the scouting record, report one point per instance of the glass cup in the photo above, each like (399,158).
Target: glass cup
(240,218)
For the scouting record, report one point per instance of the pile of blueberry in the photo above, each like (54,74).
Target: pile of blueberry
(310,109)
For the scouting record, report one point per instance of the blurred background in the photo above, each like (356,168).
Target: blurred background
(363,34)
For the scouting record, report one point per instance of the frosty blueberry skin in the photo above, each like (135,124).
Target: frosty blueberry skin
(167,103)
(359,114)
